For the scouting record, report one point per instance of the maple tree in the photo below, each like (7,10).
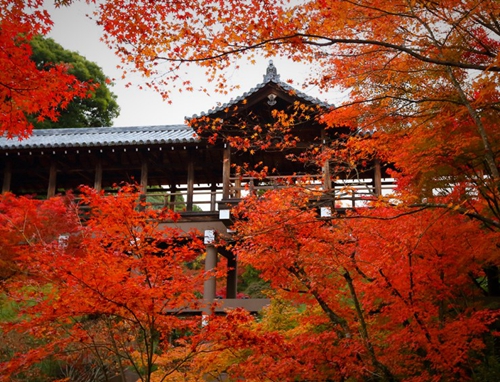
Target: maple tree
(422,79)
(25,88)
(112,290)
(384,293)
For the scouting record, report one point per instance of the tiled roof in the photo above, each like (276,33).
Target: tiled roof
(102,136)
(271,76)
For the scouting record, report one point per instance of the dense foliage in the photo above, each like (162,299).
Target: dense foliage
(106,292)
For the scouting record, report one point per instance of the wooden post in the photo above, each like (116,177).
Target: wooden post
(190,186)
(144,175)
(51,189)
(232,277)
(209,286)
(213,197)
(226,172)
(7,176)
(172,197)
(327,180)
(237,186)
(377,178)
(98,175)
(144,184)
(251,186)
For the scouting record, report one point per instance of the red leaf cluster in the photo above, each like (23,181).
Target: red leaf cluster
(25,89)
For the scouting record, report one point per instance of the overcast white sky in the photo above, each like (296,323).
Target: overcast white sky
(76,32)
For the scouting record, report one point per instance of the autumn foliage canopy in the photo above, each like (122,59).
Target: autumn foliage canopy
(405,288)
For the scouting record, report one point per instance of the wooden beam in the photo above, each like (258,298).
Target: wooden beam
(7,176)
(51,189)
(226,172)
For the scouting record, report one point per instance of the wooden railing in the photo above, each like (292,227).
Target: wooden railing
(349,193)
(202,198)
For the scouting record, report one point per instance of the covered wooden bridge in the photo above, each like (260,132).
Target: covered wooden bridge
(179,168)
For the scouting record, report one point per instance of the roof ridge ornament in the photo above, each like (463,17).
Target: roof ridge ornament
(271,73)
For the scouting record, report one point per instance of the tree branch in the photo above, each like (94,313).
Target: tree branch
(323,41)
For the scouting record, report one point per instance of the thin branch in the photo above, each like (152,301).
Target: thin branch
(323,41)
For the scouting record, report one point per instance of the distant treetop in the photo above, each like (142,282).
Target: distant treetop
(100,109)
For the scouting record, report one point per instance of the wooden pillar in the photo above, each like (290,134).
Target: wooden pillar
(237,186)
(144,184)
(213,197)
(190,185)
(226,172)
(209,286)
(327,180)
(98,175)
(172,197)
(7,176)
(251,186)
(51,189)
(144,175)
(232,277)
(377,178)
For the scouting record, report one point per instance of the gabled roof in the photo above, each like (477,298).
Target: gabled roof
(102,136)
(271,77)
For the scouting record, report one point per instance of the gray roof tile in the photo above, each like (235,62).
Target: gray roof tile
(102,136)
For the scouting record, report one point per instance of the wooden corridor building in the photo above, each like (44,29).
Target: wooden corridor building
(176,166)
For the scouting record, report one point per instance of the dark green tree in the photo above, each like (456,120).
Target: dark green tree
(98,110)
